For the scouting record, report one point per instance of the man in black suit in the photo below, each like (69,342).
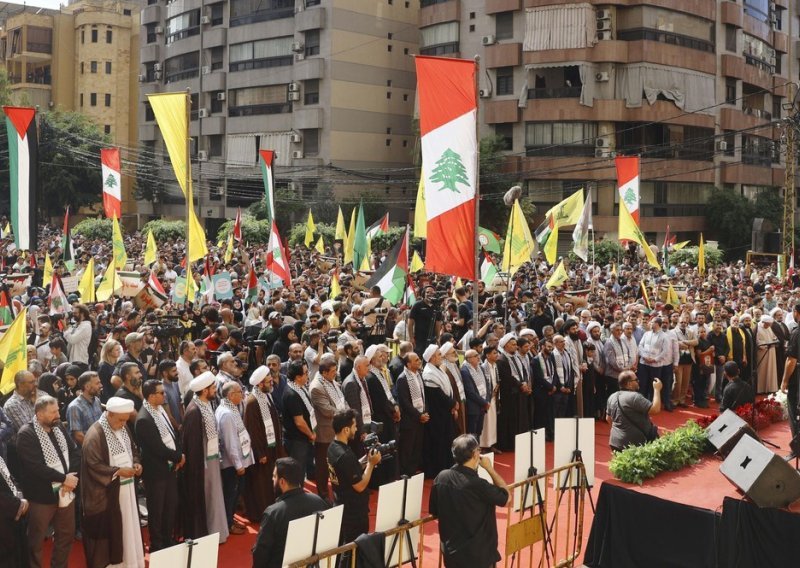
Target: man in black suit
(384,408)
(356,394)
(413,414)
(545,385)
(397,365)
(478,390)
(161,458)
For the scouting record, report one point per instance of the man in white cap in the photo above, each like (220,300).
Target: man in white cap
(440,400)
(111,531)
(766,362)
(413,414)
(263,422)
(450,367)
(203,504)
(512,386)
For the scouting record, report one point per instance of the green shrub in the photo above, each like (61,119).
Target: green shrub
(92,228)
(689,255)
(298,234)
(253,230)
(671,452)
(164,230)
(605,252)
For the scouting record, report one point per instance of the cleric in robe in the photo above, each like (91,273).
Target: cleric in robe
(111,532)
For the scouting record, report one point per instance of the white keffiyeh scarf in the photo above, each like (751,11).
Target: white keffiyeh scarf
(209,421)
(415,389)
(263,405)
(51,458)
(456,374)
(7,476)
(115,446)
(384,382)
(306,400)
(434,377)
(334,392)
(162,423)
(516,368)
(366,405)
(237,418)
(478,378)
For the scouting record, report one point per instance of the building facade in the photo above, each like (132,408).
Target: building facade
(696,88)
(327,84)
(81,58)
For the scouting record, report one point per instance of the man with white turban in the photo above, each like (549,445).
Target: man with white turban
(766,362)
(442,408)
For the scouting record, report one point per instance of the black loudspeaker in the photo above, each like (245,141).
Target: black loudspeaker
(767,479)
(727,430)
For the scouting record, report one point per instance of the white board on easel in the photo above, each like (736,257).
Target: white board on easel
(523,462)
(564,448)
(390,512)
(204,554)
(300,536)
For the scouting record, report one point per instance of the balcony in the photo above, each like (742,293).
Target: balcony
(441,49)
(684,151)
(263,16)
(759,63)
(253,110)
(556,150)
(265,63)
(668,38)
(555,93)
(183,34)
(182,75)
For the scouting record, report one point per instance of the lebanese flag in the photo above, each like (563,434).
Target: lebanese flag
(277,260)
(58,298)
(267,160)
(252,283)
(380,226)
(112,182)
(237,226)
(23,152)
(628,184)
(391,275)
(447,119)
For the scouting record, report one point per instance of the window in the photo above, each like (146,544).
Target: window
(505,81)
(560,138)
(81,97)
(439,39)
(311,142)
(149,115)
(311,92)
(109,36)
(758,9)
(729,141)
(81,67)
(258,100)
(107,129)
(126,12)
(312,42)
(108,68)
(252,11)
(261,54)
(217,14)
(83,36)
(93,99)
(504,25)
(183,26)
(777,107)
(730,90)
(150,29)
(40,40)
(730,38)
(215,145)
(506,132)
(186,66)
(94,36)
(758,53)
(93,67)
(108,99)
(217,53)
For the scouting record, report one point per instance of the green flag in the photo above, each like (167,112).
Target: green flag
(360,241)
(489,240)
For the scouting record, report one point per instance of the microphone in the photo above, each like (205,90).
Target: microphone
(512,195)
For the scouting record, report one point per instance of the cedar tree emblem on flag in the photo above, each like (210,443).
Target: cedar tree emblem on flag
(449,171)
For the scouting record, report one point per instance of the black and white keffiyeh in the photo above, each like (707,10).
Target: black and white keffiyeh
(303,393)
(478,378)
(334,392)
(383,380)
(7,476)
(209,421)
(456,374)
(162,423)
(434,377)
(415,389)
(237,418)
(115,446)
(264,404)
(51,458)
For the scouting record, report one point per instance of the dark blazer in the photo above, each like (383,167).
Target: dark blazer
(409,416)
(352,395)
(540,385)
(36,477)
(382,407)
(475,402)
(155,455)
(396,367)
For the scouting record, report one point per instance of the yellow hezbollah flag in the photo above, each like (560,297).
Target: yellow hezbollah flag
(172,116)
(320,246)
(310,230)
(519,245)
(701,256)
(86,285)
(420,215)
(151,250)
(559,276)
(229,249)
(191,287)
(118,245)
(47,277)
(680,245)
(110,284)
(14,351)
(341,231)
(567,212)
(336,290)
(644,290)
(629,231)
(672,297)
(416,263)
(351,238)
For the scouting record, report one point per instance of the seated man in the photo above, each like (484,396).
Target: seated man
(737,392)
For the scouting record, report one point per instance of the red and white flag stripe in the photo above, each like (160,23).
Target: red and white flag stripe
(112,182)
(628,184)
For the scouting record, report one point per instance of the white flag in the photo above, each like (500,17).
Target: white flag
(580,235)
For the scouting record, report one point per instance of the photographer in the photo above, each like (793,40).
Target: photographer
(350,480)
(425,320)
(79,335)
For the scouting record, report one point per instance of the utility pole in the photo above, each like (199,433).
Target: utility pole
(789,189)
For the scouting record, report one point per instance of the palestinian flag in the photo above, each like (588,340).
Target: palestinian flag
(410,296)
(277,259)
(543,231)
(488,270)
(237,226)
(66,243)
(381,226)
(6,307)
(58,298)
(266,161)
(23,167)
(391,276)
(252,283)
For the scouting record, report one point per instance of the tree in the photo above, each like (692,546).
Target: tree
(69,156)
(253,230)
(494,183)
(450,171)
(148,185)
(730,217)
(164,230)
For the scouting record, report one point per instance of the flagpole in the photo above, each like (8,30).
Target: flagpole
(475,295)
(189,196)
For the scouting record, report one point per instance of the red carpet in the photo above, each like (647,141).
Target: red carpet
(701,486)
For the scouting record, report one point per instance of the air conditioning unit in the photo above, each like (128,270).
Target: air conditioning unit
(142,78)
(603,25)
(294,87)
(488,40)
(297,154)
(601,153)
(296,138)
(485,93)
(601,77)
(206,69)
(604,36)
(297,46)
(220,96)
(203,113)
(601,143)
(202,156)
(722,145)
(604,14)
(295,96)
(159,30)
(299,56)
(205,20)
(156,66)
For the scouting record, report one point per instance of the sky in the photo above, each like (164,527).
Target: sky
(54,4)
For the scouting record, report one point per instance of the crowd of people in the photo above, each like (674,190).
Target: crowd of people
(218,410)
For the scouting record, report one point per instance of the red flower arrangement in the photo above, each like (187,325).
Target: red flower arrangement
(767,411)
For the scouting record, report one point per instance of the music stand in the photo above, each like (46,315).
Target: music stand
(198,553)
(324,528)
(400,503)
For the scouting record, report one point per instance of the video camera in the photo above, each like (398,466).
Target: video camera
(167,327)
(371,442)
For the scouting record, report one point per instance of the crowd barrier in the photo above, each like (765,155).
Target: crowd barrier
(551,527)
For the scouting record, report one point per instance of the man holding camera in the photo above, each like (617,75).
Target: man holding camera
(349,478)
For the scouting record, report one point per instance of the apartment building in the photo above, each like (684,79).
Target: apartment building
(328,84)
(82,58)
(693,87)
